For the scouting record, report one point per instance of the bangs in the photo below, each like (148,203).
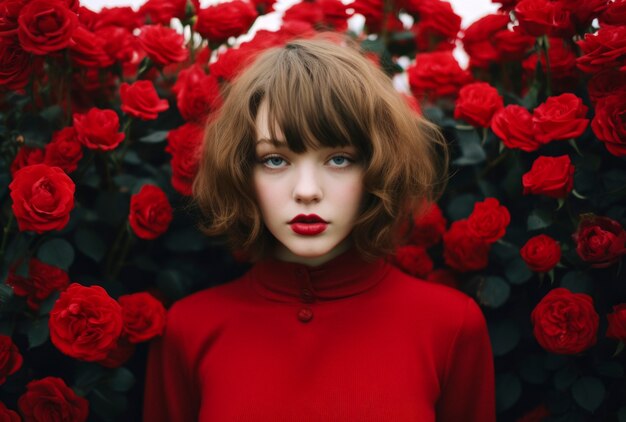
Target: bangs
(315,106)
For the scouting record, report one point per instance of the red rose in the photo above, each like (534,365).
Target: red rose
(513,125)
(232,61)
(462,250)
(15,66)
(98,129)
(88,49)
(477,103)
(9,12)
(120,44)
(43,197)
(141,100)
(144,316)
(163,11)
(443,276)
(26,156)
(150,212)
(163,45)
(560,117)
(119,16)
(609,123)
(51,400)
(46,26)
(541,253)
(549,176)
(413,260)
(604,83)
(85,322)
(583,12)
(197,94)
(42,280)
(602,50)
(436,75)
(562,60)
(600,241)
(614,14)
(617,323)
(10,359)
(565,322)
(224,20)
(184,143)
(541,17)
(119,355)
(489,220)
(372,10)
(304,11)
(436,18)
(428,227)
(64,150)
(336,14)
(8,415)
(478,39)
(512,44)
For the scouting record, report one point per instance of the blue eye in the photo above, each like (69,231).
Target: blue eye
(340,161)
(274,162)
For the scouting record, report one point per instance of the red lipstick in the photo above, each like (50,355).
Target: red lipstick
(308,225)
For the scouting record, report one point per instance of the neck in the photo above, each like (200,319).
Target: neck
(284,254)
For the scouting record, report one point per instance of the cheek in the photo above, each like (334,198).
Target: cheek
(266,193)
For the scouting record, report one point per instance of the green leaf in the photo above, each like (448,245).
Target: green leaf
(508,391)
(532,369)
(471,150)
(505,251)
(155,137)
(171,284)
(610,369)
(89,243)
(589,393)
(87,375)
(494,292)
(121,380)
(186,239)
(58,252)
(132,157)
(577,282)
(38,332)
(564,377)
(108,404)
(554,362)
(461,206)
(504,335)
(539,219)
(621,414)
(48,304)
(517,272)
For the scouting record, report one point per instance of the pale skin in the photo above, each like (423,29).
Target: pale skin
(327,182)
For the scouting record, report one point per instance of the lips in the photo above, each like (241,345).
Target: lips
(307,219)
(308,225)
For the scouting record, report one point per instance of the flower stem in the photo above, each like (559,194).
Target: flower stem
(5,236)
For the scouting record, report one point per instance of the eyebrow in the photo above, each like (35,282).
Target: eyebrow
(274,142)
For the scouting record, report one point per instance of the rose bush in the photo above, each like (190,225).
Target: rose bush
(102,119)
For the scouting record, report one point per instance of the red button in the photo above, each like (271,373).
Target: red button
(305,315)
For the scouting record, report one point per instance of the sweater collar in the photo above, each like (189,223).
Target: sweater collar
(345,275)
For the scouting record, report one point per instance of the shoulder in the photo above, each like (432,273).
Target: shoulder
(446,308)
(205,306)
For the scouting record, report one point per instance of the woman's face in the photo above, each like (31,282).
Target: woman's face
(309,201)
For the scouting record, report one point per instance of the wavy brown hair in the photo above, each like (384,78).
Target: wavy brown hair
(319,93)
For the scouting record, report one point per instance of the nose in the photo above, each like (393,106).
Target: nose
(307,187)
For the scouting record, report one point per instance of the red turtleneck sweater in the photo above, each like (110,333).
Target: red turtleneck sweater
(346,341)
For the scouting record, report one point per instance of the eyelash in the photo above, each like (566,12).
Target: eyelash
(265,160)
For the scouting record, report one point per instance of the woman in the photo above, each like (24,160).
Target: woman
(309,169)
